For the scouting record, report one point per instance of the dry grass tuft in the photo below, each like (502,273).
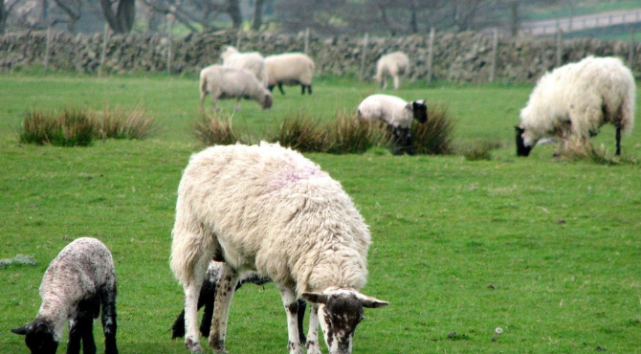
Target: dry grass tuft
(433,137)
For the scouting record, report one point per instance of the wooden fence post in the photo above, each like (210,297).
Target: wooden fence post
(559,47)
(430,55)
(632,49)
(103,55)
(495,46)
(362,73)
(170,42)
(306,48)
(238,39)
(48,47)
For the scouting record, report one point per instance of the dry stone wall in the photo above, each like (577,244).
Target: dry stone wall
(461,57)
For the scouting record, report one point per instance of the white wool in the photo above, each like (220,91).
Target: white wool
(394,64)
(272,211)
(587,94)
(250,61)
(390,109)
(289,69)
(223,82)
(80,270)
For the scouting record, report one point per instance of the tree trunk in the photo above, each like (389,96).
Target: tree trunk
(233,10)
(3,18)
(258,14)
(515,21)
(122,21)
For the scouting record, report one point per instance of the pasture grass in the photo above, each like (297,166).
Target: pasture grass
(546,249)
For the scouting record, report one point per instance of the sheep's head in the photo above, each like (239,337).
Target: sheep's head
(267,101)
(227,51)
(39,337)
(419,110)
(524,143)
(340,310)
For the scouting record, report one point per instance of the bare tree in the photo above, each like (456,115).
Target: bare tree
(120,14)
(259,8)
(199,13)
(73,10)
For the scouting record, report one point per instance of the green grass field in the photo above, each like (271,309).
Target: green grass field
(548,250)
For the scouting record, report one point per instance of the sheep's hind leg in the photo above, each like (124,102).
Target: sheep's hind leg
(312,345)
(291,308)
(224,295)
(109,323)
(192,292)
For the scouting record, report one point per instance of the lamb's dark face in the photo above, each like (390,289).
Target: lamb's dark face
(420,111)
(339,312)
(38,337)
(267,101)
(522,147)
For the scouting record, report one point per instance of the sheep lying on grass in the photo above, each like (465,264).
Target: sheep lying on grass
(290,69)
(268,209)
(250,61)
(206,299)
(574,101)
(394,64)
(77,284)
(397,114)
(223,82)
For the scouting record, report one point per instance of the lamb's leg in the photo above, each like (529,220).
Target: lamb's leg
(396,82)
(192,292)
(312,345)
(280,88)
(618,137)
(86,329)
(302,305)
(224,295)
(237,108)
(291,308)
(407,143)
(309,89)
(109,324)
(75,335)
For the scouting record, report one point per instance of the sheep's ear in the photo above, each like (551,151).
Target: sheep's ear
(21,330)
(519,128)
(371,302)
(316,298)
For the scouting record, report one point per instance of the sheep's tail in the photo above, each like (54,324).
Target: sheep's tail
(191,248)
(627,110)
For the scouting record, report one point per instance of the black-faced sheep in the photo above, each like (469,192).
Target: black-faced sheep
(394,64)
(397,114)
(77,284)
(250,61)
(267,209)
(207,297)
(290,69)
(575,100)
(223,82)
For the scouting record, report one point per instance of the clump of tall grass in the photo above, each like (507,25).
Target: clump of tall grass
(70,127)
(347,134)
(577,149)
(433,137)
(301,133)
(122,124)
(481,151)
(79,127)
(216,129)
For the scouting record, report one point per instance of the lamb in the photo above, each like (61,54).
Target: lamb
(250,61)
(225,82)
(206,299)
(575,100)
(395,64)
(77,283)
(397,114)
(290,69)
(267,209)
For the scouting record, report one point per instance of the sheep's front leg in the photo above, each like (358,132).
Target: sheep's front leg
(75,336)
(312,345)
(192,292)
(109,324)
(224,295)
(396,82)
(291,309)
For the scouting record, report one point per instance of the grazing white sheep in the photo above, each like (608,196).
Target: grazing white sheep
(267,209)
(397,114)
(290,69)
(77,283)
(250,61)
(395,64)
(223,82)
(207,297)
(575,100)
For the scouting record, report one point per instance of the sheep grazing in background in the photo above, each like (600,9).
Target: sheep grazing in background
(223,82)
(206,299)
(267,209)
(397,114)
(290,69)
(250,61)
(395,64)
(575,100)
(77,284)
